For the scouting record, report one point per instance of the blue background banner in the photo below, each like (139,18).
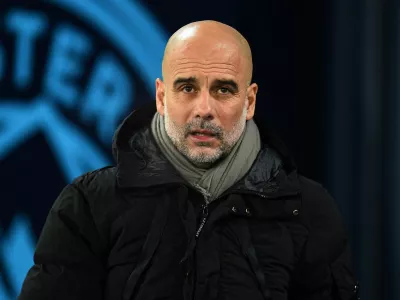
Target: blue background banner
(328,73)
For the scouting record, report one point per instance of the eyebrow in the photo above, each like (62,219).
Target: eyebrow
(181,80)
(233,84)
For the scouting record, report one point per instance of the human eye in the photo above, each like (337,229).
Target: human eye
(188,89)
(224,91)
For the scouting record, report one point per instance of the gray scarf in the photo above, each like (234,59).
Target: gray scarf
(214,181)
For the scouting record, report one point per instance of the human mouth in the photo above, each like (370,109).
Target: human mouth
(202,135)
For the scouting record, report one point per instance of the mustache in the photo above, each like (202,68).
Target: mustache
(204,125)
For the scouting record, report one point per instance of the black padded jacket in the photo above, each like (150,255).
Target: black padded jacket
(138,231)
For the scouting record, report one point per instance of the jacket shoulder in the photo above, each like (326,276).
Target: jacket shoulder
(317,201)
(326,261)
(98,190)
(98,186)
(313,190)
(104,177)
(323,218)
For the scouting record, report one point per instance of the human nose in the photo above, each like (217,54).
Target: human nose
(204,107)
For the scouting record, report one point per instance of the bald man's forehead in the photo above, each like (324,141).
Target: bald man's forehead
(193,67)
(196,56)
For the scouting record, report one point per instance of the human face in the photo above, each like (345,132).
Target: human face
(205,101)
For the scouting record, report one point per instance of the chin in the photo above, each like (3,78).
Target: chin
(205,156)
(204,152)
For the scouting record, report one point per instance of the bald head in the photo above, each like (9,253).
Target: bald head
(206,38)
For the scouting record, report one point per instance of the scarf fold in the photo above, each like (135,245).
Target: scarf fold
(214,181)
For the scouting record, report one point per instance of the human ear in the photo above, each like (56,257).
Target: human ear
(251,98)
(160,96)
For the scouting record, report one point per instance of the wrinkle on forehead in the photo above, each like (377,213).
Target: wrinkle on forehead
(186,65)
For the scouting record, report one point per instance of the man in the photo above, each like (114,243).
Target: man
(203,203)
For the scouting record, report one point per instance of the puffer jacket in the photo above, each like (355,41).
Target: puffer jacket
(138,231)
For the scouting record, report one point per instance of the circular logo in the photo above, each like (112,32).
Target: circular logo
(70,71)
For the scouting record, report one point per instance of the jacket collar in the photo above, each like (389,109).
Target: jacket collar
(141,164)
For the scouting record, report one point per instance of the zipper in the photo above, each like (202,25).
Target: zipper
(203,220)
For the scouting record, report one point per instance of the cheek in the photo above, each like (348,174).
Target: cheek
(229,116)
(178,113)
